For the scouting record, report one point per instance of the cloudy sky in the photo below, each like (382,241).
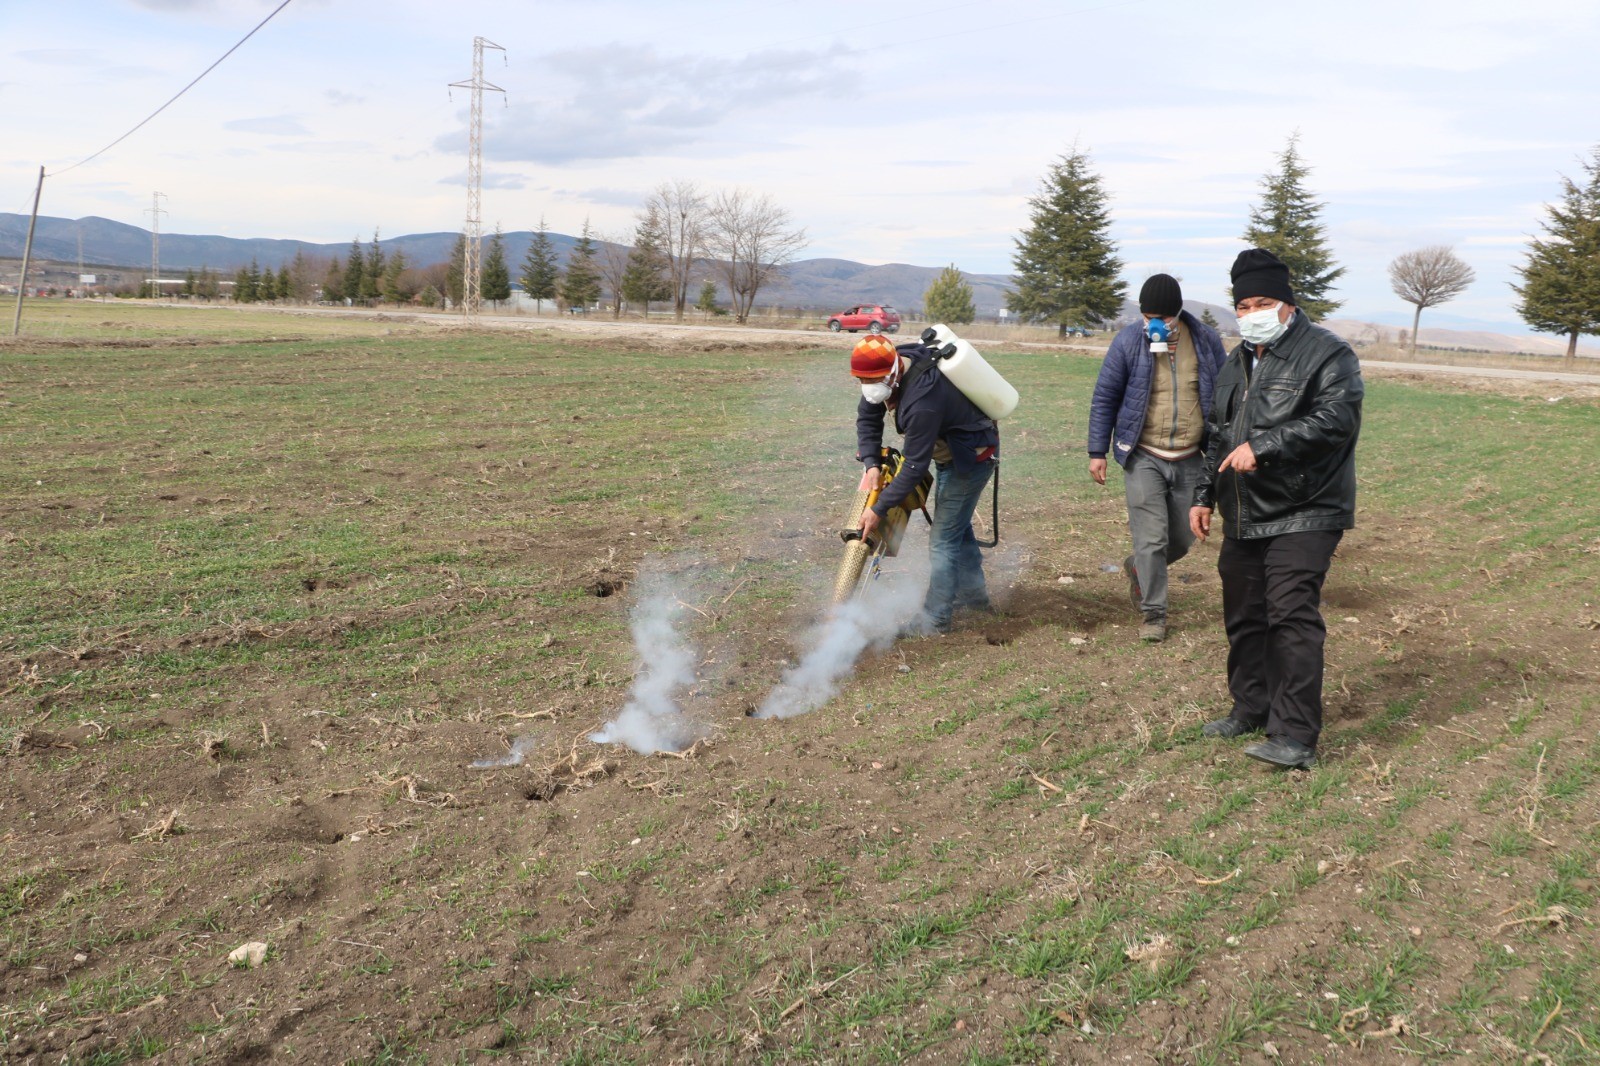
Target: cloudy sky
(896,131)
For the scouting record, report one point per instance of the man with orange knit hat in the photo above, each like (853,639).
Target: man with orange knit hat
(942,427)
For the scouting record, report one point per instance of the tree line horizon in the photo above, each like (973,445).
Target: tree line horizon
(1067,268)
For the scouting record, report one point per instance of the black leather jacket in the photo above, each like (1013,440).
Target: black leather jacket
(1301,412)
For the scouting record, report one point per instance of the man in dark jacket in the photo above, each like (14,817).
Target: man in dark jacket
(942,427)
(1280,471)
(1149,409)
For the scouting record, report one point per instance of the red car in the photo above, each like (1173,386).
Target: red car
(874,318)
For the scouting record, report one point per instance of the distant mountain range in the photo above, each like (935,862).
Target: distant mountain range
(819,285)
(813,284)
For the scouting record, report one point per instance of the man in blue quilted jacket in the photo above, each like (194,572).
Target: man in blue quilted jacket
(1149,411)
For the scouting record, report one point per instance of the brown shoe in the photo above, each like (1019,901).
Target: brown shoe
(1153,632)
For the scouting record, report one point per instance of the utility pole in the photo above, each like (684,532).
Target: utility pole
(155,239)
(27,253)
(471,269)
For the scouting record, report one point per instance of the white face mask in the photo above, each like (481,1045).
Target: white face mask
(1262,327)
(877,392)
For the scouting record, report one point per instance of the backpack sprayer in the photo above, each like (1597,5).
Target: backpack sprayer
(968,371)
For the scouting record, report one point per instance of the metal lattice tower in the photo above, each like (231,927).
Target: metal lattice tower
(472,268)
(155,241)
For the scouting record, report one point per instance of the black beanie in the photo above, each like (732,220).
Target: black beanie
(1161,296)
(1257,272)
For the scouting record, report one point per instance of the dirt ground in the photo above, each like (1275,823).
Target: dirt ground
(1006,844)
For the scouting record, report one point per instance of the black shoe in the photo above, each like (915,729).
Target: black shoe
(1228,728)
(1283,752)
(1135,593)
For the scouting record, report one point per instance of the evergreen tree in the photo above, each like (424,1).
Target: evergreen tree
(708,298)
(333,283)
(1208,318)
(207,286)
(242,292)
(648,277)
(393,288)
(1067,270)
(580,285)
(355,269)
(949,298)
(430,297)
(372,272)
(1560,290)
(455,279)
(494,281)
(267,285)
(286,282)
(190,283)
(1287,224)
(539,271)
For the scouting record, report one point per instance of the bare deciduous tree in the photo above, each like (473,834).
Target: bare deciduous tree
(1428,277)
(751,240)
(682,208)
(611,262)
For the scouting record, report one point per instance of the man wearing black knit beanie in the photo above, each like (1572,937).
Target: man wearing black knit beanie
(1149,410)
(1280,473)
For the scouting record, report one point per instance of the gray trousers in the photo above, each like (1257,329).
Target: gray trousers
(1160,493)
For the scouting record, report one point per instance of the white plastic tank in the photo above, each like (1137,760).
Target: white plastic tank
(972,374)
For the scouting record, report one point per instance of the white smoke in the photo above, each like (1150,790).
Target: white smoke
(519,751)
(869,621)
(651,720)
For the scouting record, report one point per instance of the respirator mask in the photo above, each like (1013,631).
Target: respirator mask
(1262,327)
(880,391)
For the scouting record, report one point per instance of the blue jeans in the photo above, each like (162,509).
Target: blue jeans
(955,578)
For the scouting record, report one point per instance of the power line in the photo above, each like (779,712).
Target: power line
(179,93)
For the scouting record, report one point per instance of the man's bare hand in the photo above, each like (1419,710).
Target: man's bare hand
(869,523)
(874,477)
(1242,459)
(1200,521)
(1097,471)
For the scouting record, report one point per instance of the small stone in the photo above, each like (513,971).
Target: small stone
(1066,579)
(1233,941)
(1076,640)
(1270,1050)
(248,956)
(961,1025)
(1416,930)
(902,669)
(80,958)
(877,766)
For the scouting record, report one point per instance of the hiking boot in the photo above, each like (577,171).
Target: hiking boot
(1283,753)
(983,606)
(1135,593)
(1227,728)
(921,626)
(1153,632)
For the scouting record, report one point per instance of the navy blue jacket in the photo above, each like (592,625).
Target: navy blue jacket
(930,408)
(1122,392)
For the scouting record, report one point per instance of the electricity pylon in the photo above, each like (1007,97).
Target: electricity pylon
(472,267)
(155,240)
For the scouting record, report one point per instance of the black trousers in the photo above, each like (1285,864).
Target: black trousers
(1272,609)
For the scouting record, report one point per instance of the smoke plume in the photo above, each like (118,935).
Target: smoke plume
(651,720)
(869,621)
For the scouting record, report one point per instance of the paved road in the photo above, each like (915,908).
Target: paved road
(1485,372)
(601,324)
